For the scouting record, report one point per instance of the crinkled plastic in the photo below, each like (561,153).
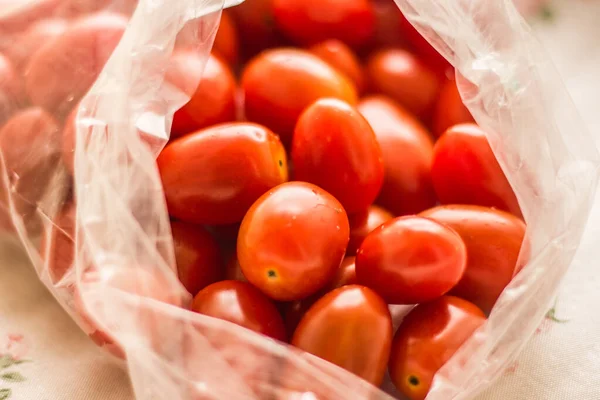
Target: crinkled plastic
(108,255)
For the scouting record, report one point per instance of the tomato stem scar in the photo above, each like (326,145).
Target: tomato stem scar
(280,163)
(413,380)
(271,273)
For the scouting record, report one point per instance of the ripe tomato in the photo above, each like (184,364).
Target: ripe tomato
(401,76)
(306,23)
(292,241)
(226,41)
(10,89)
(411,260)
(449,109)
(233,270)
(279,84)
(197,256)
(363,223)
(203,187)
(57,247)
(341,57)
(465,171)
(335,148)
(427,338)
(407,155)
(241,304)
(493,239)
(387,20)
(64,69)
(350,327)
(212,103)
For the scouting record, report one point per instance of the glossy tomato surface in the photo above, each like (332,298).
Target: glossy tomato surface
(242,304)
(279,84)
(337,54)
(63,70)
(335,148)
(350,327)
(213,102)
(226,42)
(449,108)
(407,151)
(363,223)
(428,337)
(214,175)
(197,256)
(411,260)
(351,21)
(292,241)
(493,239)
(402,76)
(465,171)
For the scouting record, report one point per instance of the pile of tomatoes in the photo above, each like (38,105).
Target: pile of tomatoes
(324,170)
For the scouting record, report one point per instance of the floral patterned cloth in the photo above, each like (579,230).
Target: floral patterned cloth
(44,356)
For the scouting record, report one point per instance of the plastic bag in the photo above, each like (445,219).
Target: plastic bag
(121,286)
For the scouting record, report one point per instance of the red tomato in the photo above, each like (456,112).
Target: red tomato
(350,327)
(427,338)
(241,304)
(57,247)
(493,239)
(401,76)
(449,109)
(363,223)
(233,270)
(411,260)
(203,187)
(306,22)
(335,148)
(197,256)
(407,155)
(64,69)
(226,41)
(292,241)
(387,20)
(279,84)
(421,46)
(340,56)
(465,171)
(212,103)
(10,89)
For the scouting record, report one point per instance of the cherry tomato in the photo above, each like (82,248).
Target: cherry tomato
(449,109)
(351,21)
(57,247)
(410,260)
(407,155)
(64,69)
(204,187)
(279,84)
(493,239)
(197,256)
(335,148)
(226,41)
(233,270)
(401,76)
(350,327)
(242,304)
(465,171)
(292,241)
(387,20)
(340,56)
(363,223)
(10,89)
(427,338)
(212,103)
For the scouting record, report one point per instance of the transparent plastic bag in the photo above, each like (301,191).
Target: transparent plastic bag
(108,257)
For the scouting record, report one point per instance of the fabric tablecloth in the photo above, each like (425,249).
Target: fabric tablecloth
(44,356)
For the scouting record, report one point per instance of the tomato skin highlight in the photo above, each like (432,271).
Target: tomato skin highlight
(411,260)
(341,57)
(279,84)
(292,241)
(197,256)
(465,171)
(242,304)
(351,21)
(407,151)
(334,330)
(402,76)
(493,239)
(428,337)
(335,148)
(203,187)
(361,224)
